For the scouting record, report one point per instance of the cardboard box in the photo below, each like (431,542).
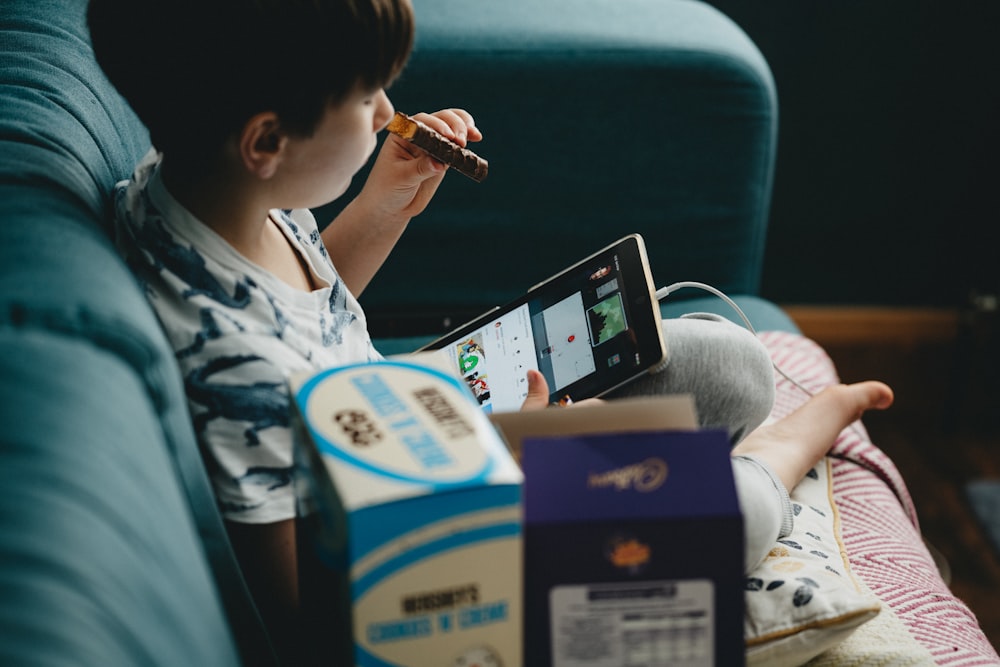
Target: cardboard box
(633,541)
(416,508)
(630,415)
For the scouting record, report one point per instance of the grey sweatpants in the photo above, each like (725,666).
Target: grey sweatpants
(729,373)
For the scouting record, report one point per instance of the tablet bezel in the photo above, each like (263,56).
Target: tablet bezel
(628,262)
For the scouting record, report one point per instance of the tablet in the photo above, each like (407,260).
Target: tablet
(588,329)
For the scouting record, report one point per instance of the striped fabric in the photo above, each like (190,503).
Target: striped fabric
(879,522)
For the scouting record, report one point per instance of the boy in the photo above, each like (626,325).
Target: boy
(261,110)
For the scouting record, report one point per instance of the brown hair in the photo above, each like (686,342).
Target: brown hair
(196,70)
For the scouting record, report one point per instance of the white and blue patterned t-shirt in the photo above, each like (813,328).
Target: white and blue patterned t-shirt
(238,332)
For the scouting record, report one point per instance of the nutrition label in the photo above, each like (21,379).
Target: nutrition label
(645,624)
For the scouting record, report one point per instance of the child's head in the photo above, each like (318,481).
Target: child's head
(196,70)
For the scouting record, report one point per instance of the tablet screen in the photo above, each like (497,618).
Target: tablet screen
(588,329)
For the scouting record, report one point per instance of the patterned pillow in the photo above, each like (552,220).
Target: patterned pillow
(803,599)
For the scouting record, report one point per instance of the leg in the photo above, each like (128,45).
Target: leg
(725,368)
(775,457)
(794,444)
(766,508)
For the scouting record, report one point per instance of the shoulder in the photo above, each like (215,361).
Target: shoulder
(303,225)
(300,220)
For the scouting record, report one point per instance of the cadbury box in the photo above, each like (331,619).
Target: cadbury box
(413,506)
(633,551)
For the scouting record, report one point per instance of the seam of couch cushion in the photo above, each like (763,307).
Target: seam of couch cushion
(114,334)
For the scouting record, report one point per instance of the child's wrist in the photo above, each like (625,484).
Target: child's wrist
(374,209)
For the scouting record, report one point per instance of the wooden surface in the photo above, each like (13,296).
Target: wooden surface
(866,325)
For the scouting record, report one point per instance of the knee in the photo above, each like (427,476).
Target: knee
(735,344)
(748,366)
(735,369)
(722,365)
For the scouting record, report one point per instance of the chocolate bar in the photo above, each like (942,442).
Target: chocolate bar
(441,148)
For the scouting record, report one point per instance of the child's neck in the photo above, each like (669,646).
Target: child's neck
(225,204)
(235,210)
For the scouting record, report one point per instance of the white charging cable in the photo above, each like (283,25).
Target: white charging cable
(664,292)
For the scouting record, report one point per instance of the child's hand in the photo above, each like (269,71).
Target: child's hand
(402,181)
(404,177)
(538,394)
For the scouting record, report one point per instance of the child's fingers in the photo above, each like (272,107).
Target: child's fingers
(422,163)
(429,167)
(538,392)
(472,132)
(455,124)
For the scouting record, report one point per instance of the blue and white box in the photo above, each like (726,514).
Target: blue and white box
(419,514)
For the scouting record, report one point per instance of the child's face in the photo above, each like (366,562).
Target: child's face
(319,168)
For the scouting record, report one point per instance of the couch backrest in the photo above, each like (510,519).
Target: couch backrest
(112,549)
(601,118)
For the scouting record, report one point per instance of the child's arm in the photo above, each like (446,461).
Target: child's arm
(402,182)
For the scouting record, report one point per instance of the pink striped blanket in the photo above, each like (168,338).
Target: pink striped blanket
(879,524)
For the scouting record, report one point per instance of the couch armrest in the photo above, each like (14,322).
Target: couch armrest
(110,537)
(102,561)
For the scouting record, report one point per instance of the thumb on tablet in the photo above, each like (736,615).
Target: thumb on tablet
(538,392)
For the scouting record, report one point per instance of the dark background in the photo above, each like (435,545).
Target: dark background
(887,179)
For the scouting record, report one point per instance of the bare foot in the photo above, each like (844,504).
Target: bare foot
(793,445)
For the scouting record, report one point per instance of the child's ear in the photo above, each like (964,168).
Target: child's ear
(262,143)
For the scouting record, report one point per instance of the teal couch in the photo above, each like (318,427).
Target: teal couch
(602,117)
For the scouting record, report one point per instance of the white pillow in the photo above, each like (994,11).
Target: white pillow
(884,640)
(803,599)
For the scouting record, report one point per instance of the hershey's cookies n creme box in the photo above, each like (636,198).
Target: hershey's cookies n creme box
(417,508)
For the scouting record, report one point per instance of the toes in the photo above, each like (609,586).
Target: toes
(873,395)
(855,399)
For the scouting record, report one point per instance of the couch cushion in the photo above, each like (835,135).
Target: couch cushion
(65,138)
(102,562)
(62,125)
(65,297)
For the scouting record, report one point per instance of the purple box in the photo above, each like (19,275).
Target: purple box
(633,551)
